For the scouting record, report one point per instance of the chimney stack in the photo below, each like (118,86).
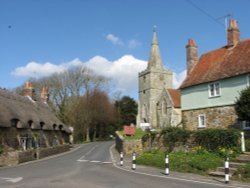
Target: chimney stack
(233,33)
(45,95)
(192,55)
(29,90)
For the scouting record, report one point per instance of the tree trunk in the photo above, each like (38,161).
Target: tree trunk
(87,134)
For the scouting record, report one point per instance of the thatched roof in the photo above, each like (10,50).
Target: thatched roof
(23,112)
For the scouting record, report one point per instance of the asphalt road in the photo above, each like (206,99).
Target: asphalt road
(89,166)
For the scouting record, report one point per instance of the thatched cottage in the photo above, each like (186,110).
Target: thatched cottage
(26,123)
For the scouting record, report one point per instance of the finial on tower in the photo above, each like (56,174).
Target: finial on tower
(154,28)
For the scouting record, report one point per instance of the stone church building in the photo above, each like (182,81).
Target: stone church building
(158,102)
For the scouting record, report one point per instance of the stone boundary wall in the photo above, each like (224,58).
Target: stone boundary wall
(216,117)
(128,146)
(13,158)
(25,156)
(45,152)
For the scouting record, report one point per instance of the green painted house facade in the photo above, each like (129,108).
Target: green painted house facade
(213,83)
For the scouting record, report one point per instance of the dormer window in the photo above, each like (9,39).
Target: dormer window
(30,123)
(214,89)
(54,126)
(14,122)
(42,125)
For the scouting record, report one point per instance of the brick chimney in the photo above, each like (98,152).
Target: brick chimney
(45,95)
(233,33)
(192,55)
(29,90)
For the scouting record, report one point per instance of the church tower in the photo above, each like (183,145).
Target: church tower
(151,83)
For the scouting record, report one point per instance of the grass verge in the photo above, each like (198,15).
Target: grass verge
(139,133)
(183,162)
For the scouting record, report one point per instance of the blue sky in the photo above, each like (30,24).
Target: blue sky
(40,37)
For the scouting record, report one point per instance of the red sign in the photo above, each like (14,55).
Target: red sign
(128,130)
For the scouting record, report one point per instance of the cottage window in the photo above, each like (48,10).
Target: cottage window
(214,89)
(201,121)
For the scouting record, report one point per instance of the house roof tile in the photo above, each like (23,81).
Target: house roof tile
(175,96)
(219,64)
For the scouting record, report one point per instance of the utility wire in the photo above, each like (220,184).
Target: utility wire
(204,12)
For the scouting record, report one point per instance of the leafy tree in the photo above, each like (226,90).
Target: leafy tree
(242,106)
(126,109)
(66,90)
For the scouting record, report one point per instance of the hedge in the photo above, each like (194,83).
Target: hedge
(215,139)
(209,139)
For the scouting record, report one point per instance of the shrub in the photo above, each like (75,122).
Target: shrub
(243,173)
(242,104)
(174,135)
(215,139)
(247,144)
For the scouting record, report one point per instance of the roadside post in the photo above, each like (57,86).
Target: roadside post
(121,159)
(134,161)
(226,170)
(166,164)
(243,147)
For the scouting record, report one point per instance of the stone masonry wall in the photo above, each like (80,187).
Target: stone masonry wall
(128,146)
(45,152)
(9,137)
(217,117)
(12,158)
(9,158)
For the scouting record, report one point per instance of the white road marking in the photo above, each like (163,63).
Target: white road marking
(81,160)
(95,161)
(169,177)
(12,180)
(107,162)
(103,162)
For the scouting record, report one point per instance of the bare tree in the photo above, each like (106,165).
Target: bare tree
(66,90)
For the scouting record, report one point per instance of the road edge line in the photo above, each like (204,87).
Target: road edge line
(168,177)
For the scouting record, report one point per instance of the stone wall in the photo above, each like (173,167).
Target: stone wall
(12,158)
(8,137)
(45,152)
(217,117)
(128,146)
(9,158)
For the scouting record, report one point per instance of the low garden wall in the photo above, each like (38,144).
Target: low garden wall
(177,139)
(128,146)
(13,158)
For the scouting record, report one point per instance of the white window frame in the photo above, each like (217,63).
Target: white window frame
(214,89)
(245,125)
(201,123)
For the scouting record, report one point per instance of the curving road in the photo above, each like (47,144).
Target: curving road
(89,166)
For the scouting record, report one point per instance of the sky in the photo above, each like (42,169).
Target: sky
(112,37)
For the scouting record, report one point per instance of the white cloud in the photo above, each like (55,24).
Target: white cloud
(133,43)
(178,78)
(115,40)
(123,72)
(34,69)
